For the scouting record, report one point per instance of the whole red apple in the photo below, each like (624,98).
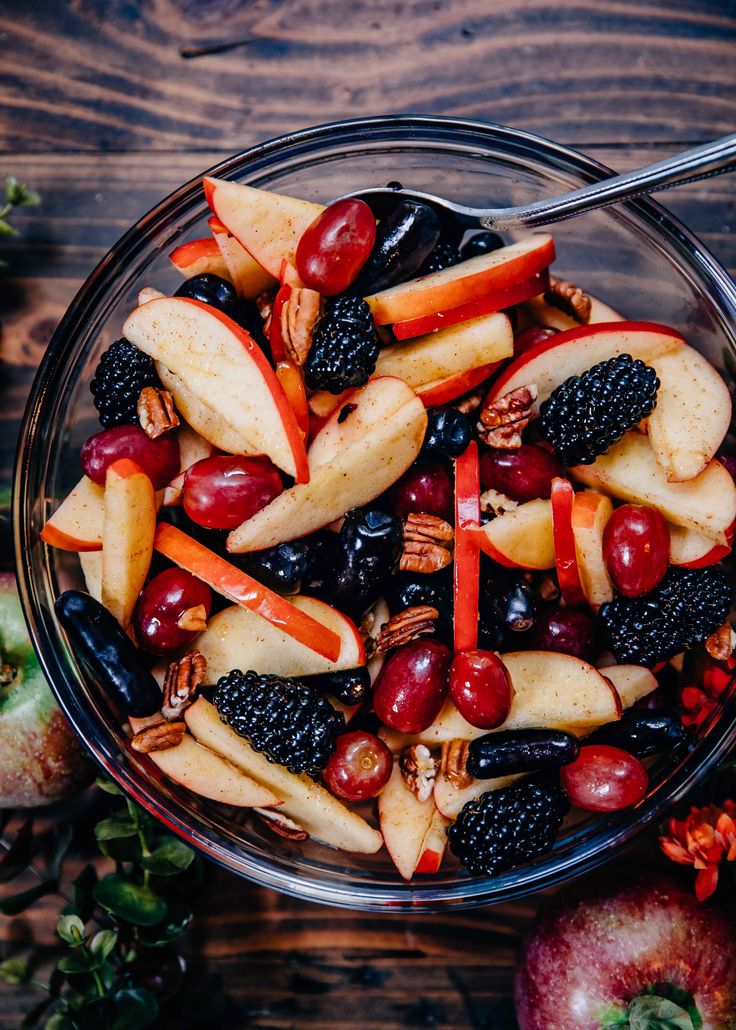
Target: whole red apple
(40,758)
(592,953)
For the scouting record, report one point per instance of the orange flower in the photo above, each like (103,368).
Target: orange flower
(703,840)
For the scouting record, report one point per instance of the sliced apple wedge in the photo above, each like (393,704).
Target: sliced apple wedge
(243,271)
(129,527)
(241,588)
(433,846)
(237,638)
(520,539)
(91,562)
(450,799)
(538,312)
(692,550)
(590,513)
(311,806)
(444,390)
(692,415)
(192,448)
(566,553)
(632,682)
(404,822)
(203,419)
(463,282)
(220,364)
(268,225)
(351,462)
(199,257)
(631,472)
(76,525)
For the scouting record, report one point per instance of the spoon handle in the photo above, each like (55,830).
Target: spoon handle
(699,163)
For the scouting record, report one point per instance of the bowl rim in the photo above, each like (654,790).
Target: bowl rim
(603,843)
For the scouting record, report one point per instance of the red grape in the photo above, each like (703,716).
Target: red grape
(531,337)
(223,491)
(334,248)
(172,596)
(636,549)
(523,475)
(604,779)
(158,458)
(424,489)
(412,686)
(565,630)
(481,688)
(360,766)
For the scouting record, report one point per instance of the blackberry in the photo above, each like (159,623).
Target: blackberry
(123,371)
(503,828)
(686,607)
(344,347)
(288,722)
(443,256)
(588,413)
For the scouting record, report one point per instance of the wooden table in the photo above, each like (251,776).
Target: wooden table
(106,106)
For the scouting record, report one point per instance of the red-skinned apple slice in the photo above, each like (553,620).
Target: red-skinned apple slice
(538,312)
(631,472)
(128,529)
(495,301)
(220,364)
(464,282)
(566,559)
(351,462)
(692,550)
(292,382)
(404,822)
(632,682)
(241,588)
(466,583)
(303,800)
(450,799)
(243,271)
(268,225)
(76,525)
(590,513)
(203,419)
(275,336)
(199,257)
(433,845)
(444,390)
(238,638)
(521,538)
(192,448)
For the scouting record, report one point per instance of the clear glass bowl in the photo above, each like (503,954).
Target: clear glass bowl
(635,256)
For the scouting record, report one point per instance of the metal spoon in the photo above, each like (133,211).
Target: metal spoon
(699,163)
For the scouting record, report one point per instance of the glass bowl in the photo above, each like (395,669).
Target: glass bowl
(635,256)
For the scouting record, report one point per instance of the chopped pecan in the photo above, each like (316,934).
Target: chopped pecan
(720,645)
(299,315)
(183,677)
(427,544)
(156,412)
(419,770)
(281,824)
(470,403)
(406,626)
(453,763)
(502,421)
(159,737)
(493,502)
(569,298)
(193,619)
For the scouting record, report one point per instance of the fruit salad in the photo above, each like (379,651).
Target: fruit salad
(398,538)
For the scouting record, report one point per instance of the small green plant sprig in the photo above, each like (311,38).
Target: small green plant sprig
(112,928)
(17,194)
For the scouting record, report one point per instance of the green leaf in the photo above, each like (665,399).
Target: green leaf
(76,963)
(6,229)
(71,929)
(115,827)
(681,997)
(82,903)
(18,194)
(177,920)
(108,786)
(15,971)
(169,858)
(60,1022)
(102,944)
(651,1012)
(129,901)
(56,860)
(133,1007)
(18,903)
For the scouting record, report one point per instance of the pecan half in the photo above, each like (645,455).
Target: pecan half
(427,544)
(493,502)
(502,421)
(299,315)
(569,298)
(720,645)
(183,678)
(156,412)
(159,737)
(419,770)
(406,626)
(281,824)
(453,764)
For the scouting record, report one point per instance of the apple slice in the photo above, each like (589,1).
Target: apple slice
(238,638)
(590,513)
(291,378)
(631,472)
(404,822)
(632,682)
(199,257)
(128,529)
(538,312)
(241,588)
(520,539)
(268,225)
(306,802)
(497,300)
(221,365)
(466,580)
(450,799)
(433,845)
(243,271)
(91,562)
(692,550)
(351,462)
(549,363)
(464,282)
(76,525)
(566,555)
(444,390)
(203,419)
(192,448)
(692,415)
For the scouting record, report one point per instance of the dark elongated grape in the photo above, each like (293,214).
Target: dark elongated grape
(404,238)
(520,751)
(642,732)
(368,548)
